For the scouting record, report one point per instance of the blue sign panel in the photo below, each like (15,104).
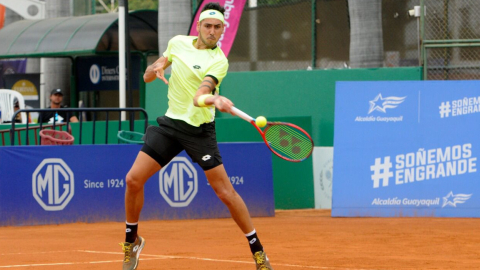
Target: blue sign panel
(407,149)
(102,73)
(86,183)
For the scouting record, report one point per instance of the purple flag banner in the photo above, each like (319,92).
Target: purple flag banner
(11,66)
(233,13)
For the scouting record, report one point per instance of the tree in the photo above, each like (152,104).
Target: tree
(366,35)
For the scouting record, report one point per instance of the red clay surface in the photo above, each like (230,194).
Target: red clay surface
(301,239)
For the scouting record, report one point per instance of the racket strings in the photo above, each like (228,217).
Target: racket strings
(289,141)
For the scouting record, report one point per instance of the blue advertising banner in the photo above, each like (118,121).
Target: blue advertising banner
(97,73)
(407,149)
(86,183)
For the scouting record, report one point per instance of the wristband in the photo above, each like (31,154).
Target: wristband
(201,100)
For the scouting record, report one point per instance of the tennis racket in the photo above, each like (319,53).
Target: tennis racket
(288,141)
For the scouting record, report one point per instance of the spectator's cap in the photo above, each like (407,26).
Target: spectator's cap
(57,91)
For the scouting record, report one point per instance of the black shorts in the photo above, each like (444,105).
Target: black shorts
(166,141)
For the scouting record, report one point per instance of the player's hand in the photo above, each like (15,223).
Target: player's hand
(223,104)
(160,73)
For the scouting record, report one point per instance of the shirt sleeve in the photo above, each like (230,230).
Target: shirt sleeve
(168,52)
(218,70)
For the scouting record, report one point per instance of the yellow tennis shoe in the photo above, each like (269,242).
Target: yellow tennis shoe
(132,252)
(261,261)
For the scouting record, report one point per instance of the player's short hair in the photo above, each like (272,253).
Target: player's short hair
(214,6)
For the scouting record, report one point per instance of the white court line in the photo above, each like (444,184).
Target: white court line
(155,257)
(231,261)
(70,263)
(36,252)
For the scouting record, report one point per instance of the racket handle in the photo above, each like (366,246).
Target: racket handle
(242,115)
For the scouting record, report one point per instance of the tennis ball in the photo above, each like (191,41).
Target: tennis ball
(261,121)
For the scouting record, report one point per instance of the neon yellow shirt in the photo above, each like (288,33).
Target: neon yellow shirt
(189,67)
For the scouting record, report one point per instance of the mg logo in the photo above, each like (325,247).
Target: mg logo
(178,182)
(95,74)
(53,184)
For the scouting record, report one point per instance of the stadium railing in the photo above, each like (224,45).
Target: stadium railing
(70,112)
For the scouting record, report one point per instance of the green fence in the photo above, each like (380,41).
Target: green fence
(284,95)
(288,93)
(100,135)
(450,39)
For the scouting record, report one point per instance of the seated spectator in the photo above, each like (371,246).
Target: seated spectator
(16,107)
(56,98)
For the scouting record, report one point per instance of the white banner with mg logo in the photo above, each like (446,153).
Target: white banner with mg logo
(178,182)
(53,184)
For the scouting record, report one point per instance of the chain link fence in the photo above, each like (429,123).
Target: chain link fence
(452,19)
(401,33)
(452,63)
(452,40)
(273,37)
(315,34)
(306,34)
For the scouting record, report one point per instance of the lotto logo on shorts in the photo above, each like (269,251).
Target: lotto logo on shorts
(178,182)
(53,184)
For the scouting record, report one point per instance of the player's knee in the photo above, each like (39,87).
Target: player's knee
(226,196)
(134,183)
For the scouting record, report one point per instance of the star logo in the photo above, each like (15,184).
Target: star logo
(452,199)
(57,118)
(382,104)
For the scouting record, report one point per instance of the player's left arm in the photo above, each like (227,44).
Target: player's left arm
(204,97)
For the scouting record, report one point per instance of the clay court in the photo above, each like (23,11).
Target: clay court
(301,239)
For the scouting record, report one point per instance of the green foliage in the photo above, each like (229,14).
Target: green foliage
(132,5)
(142,4)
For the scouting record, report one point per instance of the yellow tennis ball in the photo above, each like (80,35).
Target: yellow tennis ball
(261,121)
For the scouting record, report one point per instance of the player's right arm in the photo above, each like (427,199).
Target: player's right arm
(157,70)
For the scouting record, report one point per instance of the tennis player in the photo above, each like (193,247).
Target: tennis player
(198,68)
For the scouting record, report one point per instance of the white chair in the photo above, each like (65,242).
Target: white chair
(7,105)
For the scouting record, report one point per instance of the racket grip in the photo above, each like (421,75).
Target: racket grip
(242,115)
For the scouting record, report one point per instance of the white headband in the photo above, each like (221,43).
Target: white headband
(213,14)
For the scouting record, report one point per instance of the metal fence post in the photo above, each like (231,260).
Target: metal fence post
(314,33)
